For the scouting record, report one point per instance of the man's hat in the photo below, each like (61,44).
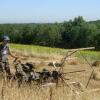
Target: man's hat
(6,38)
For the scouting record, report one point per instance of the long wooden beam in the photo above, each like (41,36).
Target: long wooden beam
(80,49)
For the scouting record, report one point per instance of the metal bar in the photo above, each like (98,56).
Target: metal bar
(89,78)
(63,60)
(74,71)
(91,68)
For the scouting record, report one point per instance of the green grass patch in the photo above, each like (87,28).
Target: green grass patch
(38,49)
(92,55)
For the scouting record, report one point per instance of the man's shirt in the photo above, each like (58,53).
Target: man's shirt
(4,50)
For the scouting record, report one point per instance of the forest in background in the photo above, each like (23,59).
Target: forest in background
(75,33)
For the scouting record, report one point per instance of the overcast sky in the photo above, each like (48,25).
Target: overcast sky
(24,11)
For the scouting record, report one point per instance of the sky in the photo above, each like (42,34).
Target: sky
(44,11)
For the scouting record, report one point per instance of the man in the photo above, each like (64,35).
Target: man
(4,52)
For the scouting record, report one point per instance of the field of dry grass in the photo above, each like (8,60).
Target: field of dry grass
(45,93)
(10,90)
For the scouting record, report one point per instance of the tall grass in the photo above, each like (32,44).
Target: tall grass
(12,92)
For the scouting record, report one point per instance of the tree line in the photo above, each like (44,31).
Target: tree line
(68,34)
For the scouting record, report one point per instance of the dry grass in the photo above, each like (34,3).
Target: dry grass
(11,92)
(73,62)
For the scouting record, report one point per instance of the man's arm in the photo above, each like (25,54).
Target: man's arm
(11,54)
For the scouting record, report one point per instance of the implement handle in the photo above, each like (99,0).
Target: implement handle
(80,49)
(74,71)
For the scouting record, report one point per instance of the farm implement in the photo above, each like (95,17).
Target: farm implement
(25,73)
